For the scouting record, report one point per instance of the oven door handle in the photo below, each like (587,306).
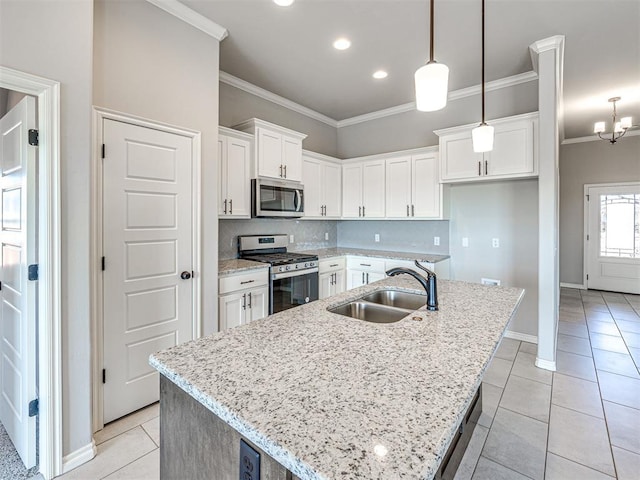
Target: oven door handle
(295,273)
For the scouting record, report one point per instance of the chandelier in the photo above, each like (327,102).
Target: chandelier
(619,127)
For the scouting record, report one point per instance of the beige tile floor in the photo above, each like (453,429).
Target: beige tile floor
(580,422)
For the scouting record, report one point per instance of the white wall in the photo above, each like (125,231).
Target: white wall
(54,40)
(151,64)
(580,164)
(509,211)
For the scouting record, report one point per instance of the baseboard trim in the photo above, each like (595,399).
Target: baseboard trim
(80,456)
(545,364)
(523,337)
(573,285)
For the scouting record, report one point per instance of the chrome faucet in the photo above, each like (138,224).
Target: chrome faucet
(429,283)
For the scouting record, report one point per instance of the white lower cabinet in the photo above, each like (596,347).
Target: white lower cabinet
(364,270)
(332,277)
(243,298)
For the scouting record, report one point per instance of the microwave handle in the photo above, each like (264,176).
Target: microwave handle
(298,202)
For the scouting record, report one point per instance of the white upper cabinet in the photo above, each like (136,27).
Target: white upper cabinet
(322,180)
(363,189)
(412,186)
(514,153)
(234,157)
(278,152)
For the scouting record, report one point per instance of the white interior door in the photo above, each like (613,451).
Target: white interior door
(18,294)
(613,246)
(147,248)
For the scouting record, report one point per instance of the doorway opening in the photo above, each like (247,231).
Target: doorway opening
(612,237)
(45,405)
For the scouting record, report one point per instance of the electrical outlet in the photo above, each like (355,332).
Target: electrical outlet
(326,235)
(489,281)
(465,242)
(249,462)
(291,239)
(376,237)
(495,242)
(436,241)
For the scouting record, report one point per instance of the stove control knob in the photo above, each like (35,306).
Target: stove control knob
(306,265)
(287,267)
(281,269)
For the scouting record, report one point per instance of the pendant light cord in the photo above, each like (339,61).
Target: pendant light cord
(483,122)
(431,33)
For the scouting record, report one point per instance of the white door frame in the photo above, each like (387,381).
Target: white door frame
(585,244)
(49,260)
(97,337)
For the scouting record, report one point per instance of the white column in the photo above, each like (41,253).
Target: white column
(547,56)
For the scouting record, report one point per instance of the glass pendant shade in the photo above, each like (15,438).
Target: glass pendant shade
(432,81)
(599,127)
(625,122)
(482,137)
(617,127)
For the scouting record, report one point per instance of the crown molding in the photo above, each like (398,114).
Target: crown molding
(274,98)
(550,43)
(453,95)
(594,137)
(193,18)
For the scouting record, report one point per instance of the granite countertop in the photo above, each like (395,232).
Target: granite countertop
(331,397)
(237,265)
(338,252)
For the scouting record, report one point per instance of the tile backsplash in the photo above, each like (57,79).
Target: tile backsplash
(307,234)
(401,236)
(395,235)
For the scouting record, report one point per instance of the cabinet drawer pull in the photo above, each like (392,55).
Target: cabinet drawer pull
(479,168)
(365,264)
(247,281)
(486,167)
(334,265)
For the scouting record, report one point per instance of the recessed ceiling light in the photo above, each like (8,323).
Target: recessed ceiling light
(283,3)
(380,74)
(342,43)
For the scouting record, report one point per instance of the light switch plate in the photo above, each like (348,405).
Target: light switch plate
(495,242)
(291,239)
(326,235)
(376,237)
(465,242)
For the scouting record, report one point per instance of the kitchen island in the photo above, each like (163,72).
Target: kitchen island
(325,396)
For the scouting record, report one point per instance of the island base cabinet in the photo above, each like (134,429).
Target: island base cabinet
(196,444)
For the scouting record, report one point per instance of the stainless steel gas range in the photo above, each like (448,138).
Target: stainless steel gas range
(293,277)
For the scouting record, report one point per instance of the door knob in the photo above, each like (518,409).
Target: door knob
(185,275)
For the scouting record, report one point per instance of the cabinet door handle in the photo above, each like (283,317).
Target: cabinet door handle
(479,168)
(363,214)
(225,206)
(244,301)
(249,295)
(285,171)
(359,211)
(367,279)
(231,206)
(363,278)
(413,211)
(486,167)
(407,210)
(280,171)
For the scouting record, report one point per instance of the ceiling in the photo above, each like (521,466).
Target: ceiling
(288,51)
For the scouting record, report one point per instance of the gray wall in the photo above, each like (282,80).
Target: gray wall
(395,235)
(151,64)
(53,40)
(9,99)
(237,106)
(587,163)
(508,211)
(415,129)
(307,234)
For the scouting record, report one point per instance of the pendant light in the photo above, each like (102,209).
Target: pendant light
(482,135)
(431,80)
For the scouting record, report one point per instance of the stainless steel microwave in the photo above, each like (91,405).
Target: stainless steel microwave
(276,198)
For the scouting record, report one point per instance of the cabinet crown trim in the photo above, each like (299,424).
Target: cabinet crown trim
(320,156)
(384,156)
(494,122)
(230,132)
(253,123)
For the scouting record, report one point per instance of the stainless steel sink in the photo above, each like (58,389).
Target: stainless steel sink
(394,298)
(371,312)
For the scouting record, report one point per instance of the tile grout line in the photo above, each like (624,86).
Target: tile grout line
(133,461)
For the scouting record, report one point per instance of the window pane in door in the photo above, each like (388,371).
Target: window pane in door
(619,226)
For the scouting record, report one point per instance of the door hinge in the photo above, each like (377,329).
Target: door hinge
(587,237)
(103,150)
(102,264)
(0,285)
(33,272)
(587,198)
(104,375)
(34,407)
(33,137)
(587,276)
